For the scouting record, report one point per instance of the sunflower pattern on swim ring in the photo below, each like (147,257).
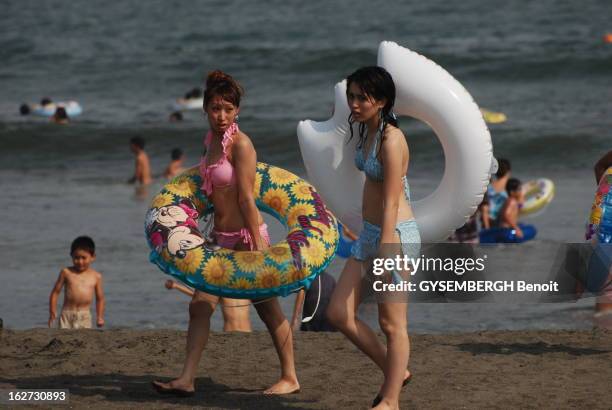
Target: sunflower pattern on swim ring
(179,248)
(602,201)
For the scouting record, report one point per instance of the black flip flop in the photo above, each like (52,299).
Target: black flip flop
(378,397)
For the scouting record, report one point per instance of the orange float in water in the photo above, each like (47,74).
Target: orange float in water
(607,38)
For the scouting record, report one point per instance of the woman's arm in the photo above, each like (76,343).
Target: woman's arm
(392,153)
(170,284)
(245,165)
(350,234)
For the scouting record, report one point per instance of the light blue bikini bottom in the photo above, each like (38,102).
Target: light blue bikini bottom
(366,246)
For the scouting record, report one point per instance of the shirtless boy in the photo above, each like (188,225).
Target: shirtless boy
(80,283)
(509,214)
(176,164)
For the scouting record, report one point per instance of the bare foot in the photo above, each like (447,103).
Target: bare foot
(284,386)
(384,405)
(175,387)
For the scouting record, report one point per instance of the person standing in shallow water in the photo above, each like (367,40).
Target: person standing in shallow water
(175,166)
(142,169)
(382,153)
(228,171)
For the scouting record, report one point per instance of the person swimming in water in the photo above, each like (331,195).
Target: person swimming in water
(60,116)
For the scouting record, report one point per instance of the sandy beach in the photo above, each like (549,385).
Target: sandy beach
(113,369)
(540,70)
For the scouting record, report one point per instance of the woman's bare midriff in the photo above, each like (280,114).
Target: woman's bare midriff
(372,208)
(228,215)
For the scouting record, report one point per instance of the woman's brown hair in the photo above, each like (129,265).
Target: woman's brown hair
(223,85)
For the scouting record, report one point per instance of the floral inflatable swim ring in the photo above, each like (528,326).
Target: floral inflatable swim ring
(601,211)
(179,249)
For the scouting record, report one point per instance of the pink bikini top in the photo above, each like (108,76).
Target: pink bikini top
(221,173)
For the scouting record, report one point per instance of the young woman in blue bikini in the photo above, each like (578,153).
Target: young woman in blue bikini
(382,153)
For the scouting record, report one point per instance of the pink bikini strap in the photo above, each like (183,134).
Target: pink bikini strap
(246,238)
(228,137)
(205,170)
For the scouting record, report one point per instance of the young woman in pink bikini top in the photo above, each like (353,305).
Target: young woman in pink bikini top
(228,171)
(228,174)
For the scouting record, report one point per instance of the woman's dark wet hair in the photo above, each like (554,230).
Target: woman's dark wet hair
(377,83)
(224,85)
(45,101)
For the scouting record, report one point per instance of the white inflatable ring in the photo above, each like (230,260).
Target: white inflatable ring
(72,108)
(538,193)
(427,92)
(183,104)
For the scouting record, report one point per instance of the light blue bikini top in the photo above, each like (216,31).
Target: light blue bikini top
(373,168)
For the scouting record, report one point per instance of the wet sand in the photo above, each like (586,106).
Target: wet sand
(114,368)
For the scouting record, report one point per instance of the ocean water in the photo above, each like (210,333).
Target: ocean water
(543,64)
